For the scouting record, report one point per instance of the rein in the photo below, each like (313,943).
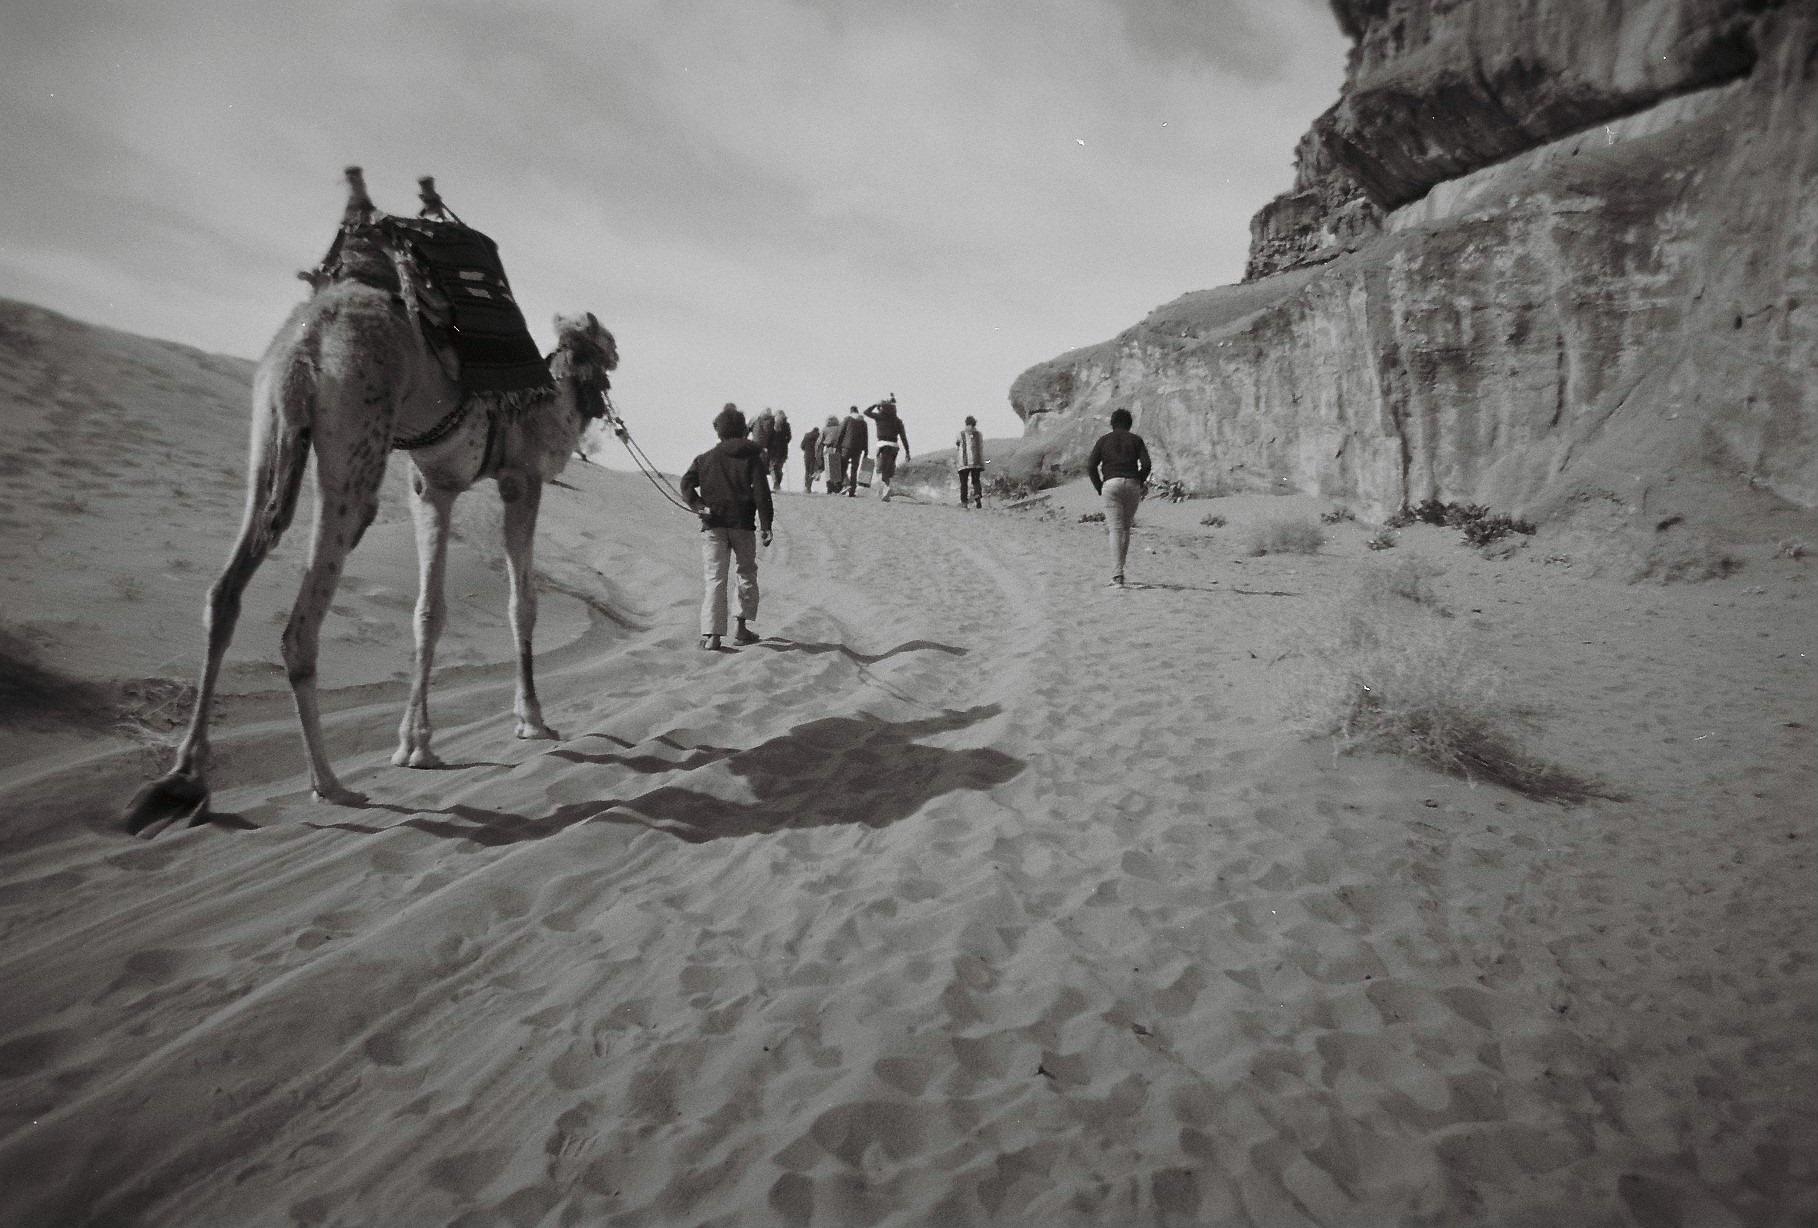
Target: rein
(651,474)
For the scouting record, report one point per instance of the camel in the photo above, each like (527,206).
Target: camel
(349,374)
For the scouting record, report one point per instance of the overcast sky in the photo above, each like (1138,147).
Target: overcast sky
(795,203)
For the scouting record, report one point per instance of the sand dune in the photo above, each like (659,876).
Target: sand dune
(975,893)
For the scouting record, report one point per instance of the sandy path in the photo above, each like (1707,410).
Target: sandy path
(977,892)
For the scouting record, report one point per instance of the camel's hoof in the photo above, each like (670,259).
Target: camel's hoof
(424,758)
(337,795)
(401,757)
(171,798)
(538,731)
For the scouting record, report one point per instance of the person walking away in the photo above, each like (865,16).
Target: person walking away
(727,489)
(855,446)
(759,430)
(1118,467)
(830,452)
(811,458)
(969,458)
(891,434)
(780,435)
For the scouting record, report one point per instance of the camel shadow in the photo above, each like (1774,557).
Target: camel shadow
(859,770)
(853,655)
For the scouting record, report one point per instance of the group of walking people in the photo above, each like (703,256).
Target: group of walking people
(837,450)
(729,488)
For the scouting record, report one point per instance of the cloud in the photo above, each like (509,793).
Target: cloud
(774,201)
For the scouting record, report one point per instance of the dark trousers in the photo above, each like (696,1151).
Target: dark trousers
(849,470)
(972,475)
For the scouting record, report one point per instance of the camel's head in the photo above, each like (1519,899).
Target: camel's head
(585,352)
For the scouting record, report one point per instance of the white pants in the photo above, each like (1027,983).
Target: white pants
(720,547)
(1121,497)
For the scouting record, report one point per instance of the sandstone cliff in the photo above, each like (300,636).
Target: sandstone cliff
(1547,255)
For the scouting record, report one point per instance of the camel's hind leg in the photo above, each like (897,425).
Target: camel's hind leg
(279,455)
(523,497)
(433,509)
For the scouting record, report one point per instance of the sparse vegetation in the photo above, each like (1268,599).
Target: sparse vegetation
(1480,526)
(1383,585)
(1286,536)
(1092,518)
(1337,515)
(1212,520)
(1392,674)
(1005,489)
(1384,539)
(1790,550)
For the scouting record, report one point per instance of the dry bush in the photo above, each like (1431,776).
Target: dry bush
(1286,536)
(1409,580)
(1212,520)
(1390,674)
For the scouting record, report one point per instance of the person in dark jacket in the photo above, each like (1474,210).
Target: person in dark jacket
(1119,468)
(891,434)
(855,446)
(811,459)
(727,488)
(778,448)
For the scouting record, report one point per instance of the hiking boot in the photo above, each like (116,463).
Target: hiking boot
(710,643)
(745,635)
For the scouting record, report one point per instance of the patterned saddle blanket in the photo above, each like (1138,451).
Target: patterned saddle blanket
(452,281)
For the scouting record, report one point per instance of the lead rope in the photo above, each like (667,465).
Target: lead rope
(651,473)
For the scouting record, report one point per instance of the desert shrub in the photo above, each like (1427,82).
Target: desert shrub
(1408,580)
(1479,525)
(1212,520)
(1486,529)
(1790,550)
(1388,675)
(1092,518)
(1286,536)
(1384,539)
(1337,515)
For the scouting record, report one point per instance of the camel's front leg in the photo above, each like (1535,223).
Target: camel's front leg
(433,509)
(347,498)
(523,496)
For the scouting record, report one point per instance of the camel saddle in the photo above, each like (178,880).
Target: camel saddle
(453,285)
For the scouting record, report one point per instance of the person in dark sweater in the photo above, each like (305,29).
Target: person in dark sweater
(1119,469)
(811,458)
(728,488)
(778,448)
(891,434)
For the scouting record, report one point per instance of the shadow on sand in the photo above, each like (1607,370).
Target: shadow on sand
(840,770)
(859,658)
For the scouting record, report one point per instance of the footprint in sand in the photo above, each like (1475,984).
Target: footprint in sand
(574,1136)
(31,1054)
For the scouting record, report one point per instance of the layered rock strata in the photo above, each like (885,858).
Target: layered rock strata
(1591,292)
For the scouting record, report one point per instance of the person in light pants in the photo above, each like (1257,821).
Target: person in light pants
(1119,469)
(728,487)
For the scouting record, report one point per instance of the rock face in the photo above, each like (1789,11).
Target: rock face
(1547,255)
